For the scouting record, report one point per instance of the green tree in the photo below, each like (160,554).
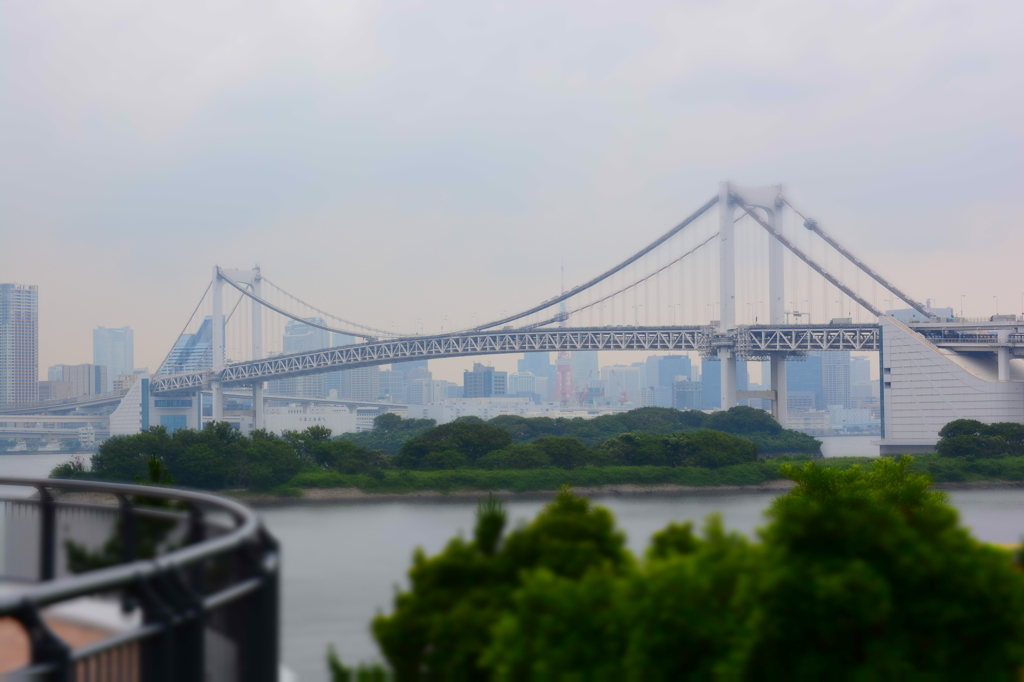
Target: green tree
(742,420)
(471,439)
(860,574)
(442,625)
(123,458)
(871,573)
(563,452)
(962,427)
(516,456)
(200,467)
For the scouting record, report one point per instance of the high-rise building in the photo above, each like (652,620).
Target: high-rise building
(338,381)
(302,338)
(670,367)
(804,383)
(393,385)
(115,350)
(711,381)
(835,367)
(191,352)
(522,384)
(420,387)
(85,379)
(585,368)
(56,390)
(363,383)
(860,370)
(484,382)
(687,395)
(19,344)
(408,366)
(539,365)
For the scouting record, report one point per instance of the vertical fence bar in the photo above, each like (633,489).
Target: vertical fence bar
(47,648)
(47,534)
(261,627)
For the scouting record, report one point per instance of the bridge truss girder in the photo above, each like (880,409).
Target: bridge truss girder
(747,342)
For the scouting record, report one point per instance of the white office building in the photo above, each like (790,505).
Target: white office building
(925,387)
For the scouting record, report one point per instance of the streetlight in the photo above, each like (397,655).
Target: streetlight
(997,304)
(962,306)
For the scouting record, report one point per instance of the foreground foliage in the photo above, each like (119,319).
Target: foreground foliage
(859,574)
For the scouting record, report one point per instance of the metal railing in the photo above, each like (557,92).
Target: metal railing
(205,604)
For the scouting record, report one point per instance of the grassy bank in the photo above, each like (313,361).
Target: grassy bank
(530,480)
(941,470)
(956,470)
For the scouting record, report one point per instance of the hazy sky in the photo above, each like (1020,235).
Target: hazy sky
(403,160)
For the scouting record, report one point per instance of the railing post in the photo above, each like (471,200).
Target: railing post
(47,648)
(157,653)
(127,528)
(47,535)
(196,534)
(189,627)
(261,638)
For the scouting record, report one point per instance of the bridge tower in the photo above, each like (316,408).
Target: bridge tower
(253,280)
(768,199)
(727,291)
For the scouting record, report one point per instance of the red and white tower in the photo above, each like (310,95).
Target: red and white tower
(563,391)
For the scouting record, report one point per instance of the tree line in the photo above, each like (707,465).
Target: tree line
(391,432)
(219,457)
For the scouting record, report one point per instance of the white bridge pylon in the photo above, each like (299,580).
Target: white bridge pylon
(754,215)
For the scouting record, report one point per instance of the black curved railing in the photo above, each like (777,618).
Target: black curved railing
(202,606)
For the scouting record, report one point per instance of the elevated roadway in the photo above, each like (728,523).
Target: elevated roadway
(750,342)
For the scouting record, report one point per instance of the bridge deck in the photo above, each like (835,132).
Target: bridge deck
(745,341)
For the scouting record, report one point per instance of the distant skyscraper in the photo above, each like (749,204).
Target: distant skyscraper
(338,381)
(393,385)
(484,382)
(860,370)
(192,351)
(585,368)
(687,395)
(539,365)
(805,384)
(836,373)
(302,338)
(408,366)
(85,379)
(363,383)
(711,381)
(670,367)
(19,344)
(522,383)
(115,350)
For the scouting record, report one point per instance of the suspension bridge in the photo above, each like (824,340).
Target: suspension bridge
(747,276)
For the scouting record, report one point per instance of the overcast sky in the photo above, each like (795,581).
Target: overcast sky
(401,160)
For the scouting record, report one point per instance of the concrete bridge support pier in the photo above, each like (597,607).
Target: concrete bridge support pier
(1003,356)
(217,389)
(778,386)
(728,362)
(257,405)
